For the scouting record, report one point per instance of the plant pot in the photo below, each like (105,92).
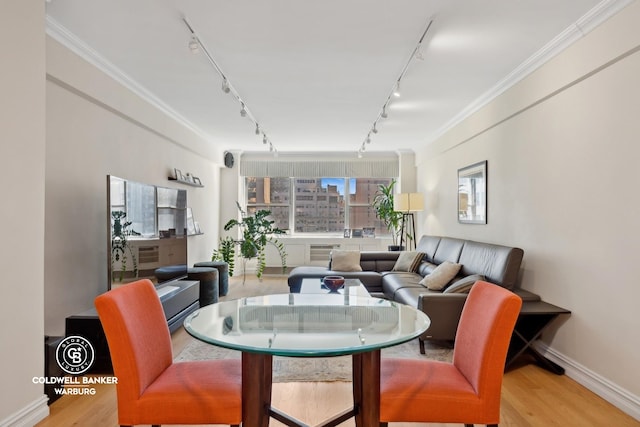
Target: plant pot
(395,248)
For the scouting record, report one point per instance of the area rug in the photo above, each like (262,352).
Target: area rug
(295,369)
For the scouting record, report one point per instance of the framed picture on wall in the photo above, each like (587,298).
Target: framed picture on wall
(472,194)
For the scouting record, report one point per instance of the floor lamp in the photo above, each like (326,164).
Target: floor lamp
(408,203)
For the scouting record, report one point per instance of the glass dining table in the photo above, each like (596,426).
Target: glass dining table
(307,325)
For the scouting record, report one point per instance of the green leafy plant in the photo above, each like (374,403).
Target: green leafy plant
(257,231)
(120,233)
(383,205)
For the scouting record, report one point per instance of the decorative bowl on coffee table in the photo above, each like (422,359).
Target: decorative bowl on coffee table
(333,283)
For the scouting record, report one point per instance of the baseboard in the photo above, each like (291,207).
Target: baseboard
(612,393)
(28,416)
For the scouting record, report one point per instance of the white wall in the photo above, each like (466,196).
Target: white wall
(562,150)
(22,129)
(96,127)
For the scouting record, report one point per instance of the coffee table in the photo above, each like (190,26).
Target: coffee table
(350,287)
(307,325)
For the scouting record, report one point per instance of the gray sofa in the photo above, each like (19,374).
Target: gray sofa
(498,264)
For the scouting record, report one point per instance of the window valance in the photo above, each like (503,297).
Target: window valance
(380,165)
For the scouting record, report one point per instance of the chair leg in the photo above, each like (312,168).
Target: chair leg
(384,424)
(468,425)
(421,341)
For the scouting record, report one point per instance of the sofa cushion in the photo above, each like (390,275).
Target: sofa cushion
(342,260)
(499,264)
(463,286)
(378,260)
(426,267)
(448,250)
(411,296)
(394,280)
(428,245)
(408,261)
(441,276)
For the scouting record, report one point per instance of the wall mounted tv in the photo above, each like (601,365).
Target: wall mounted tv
(147,230)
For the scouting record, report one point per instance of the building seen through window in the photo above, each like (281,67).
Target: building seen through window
(317,205)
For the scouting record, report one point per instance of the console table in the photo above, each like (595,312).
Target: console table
(534,318)
(179,299)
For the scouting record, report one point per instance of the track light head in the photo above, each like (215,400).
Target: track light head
(194,46)
(374,129)
(384,112)
(243,111)
(225,85)
(264,138)
(257,129)
(396,91)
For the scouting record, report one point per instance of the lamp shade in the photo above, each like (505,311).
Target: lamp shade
(408,202)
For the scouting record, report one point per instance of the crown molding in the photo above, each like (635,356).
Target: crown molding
(596,16)
(63,36)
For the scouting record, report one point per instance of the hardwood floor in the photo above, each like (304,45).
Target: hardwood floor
(531,396)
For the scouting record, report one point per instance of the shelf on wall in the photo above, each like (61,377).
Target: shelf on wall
(184,181)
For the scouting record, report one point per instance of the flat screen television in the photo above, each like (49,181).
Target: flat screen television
(147,231)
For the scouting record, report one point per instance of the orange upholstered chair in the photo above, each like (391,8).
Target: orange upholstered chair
(151,388)
(467,390)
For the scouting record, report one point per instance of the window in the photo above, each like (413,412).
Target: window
(317,205)
(361,214)
(272,194)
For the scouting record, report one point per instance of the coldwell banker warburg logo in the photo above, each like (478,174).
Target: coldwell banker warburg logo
(75,355)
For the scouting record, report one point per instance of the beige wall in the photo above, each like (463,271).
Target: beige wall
(22,129)
(96,127)
(562,150)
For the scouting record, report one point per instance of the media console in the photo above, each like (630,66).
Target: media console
(179,298)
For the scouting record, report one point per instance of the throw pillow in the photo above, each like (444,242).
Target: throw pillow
(463,286)
(442,275)
(408,261)
(345,260)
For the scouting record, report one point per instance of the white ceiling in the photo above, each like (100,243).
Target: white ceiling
(315,74)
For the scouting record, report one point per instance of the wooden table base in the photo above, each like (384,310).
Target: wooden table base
(257,380)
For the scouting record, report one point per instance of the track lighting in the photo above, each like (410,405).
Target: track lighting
(194,46)
(395,92)
(225,86)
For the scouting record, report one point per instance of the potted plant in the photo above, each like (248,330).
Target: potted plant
(383,205)
(256,231)
(120,233)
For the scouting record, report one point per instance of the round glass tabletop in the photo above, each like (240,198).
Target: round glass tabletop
(306,325)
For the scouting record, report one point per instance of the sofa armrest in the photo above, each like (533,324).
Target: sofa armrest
(444,310)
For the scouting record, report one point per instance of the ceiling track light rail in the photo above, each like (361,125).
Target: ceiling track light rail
(196,45)
(395,90)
